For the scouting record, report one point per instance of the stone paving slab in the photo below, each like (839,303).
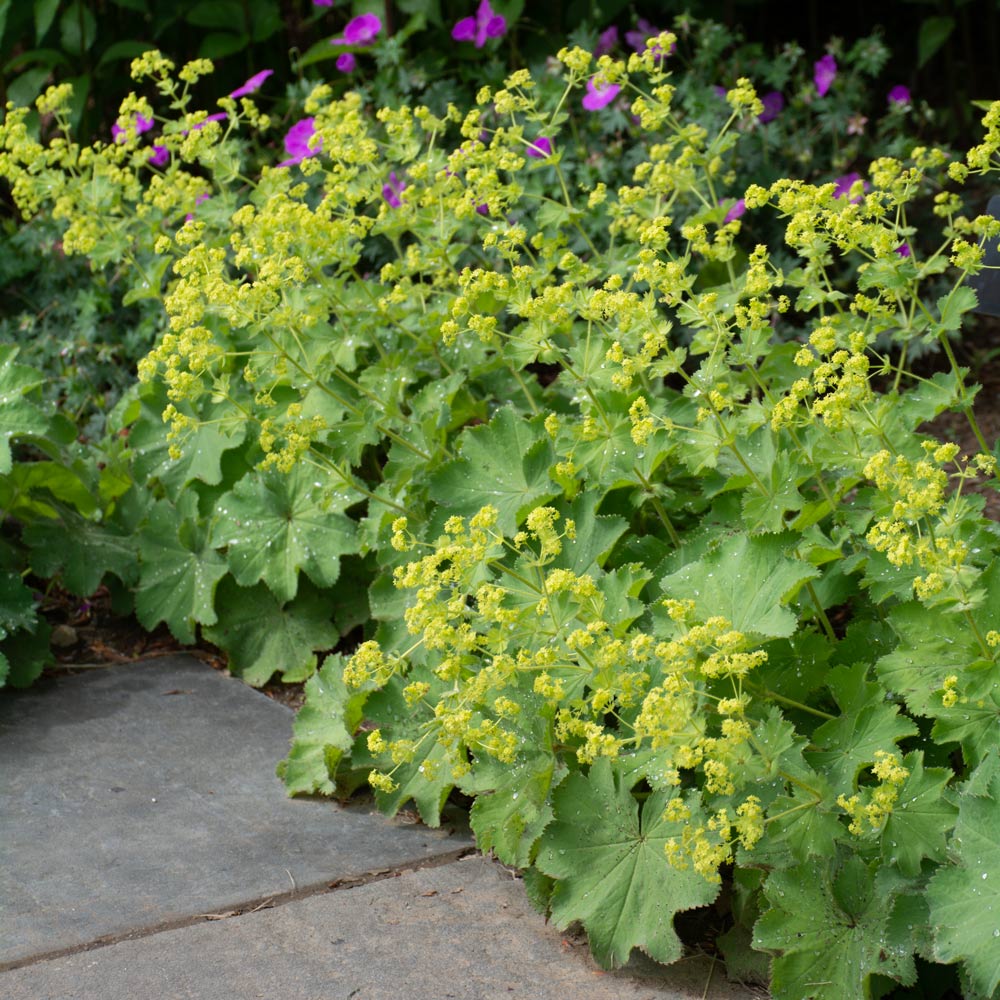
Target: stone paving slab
(137,795)
(462,931)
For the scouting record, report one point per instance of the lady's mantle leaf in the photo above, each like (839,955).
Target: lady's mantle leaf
(612,870)
(322,731)
(264,636)
(179,570)
(745,580)
(512,800)
(511,807)
(866,723)
(276,525)
(504,463)
(17,414)
(829,931)
(220,428)
(919,823)
(965,897)
(426,776)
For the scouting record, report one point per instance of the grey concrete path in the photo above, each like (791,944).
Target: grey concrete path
(146,849)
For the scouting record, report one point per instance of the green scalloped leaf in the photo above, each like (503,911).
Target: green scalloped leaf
(922,818)
(278,524)
(426,778)
(828,928)
(263,636)
(596,534)
(932,645)
(26,653)
(17,414)
(611,868)
(867,722)
(964,898)
(746,580)
(322,731)
(179,569)
(17,605)
(511,805)
(504,463)
(222,429)
(85,550)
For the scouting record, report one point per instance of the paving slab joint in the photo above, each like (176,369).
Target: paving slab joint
(249,906)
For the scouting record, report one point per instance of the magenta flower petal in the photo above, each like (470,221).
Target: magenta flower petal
(903,250)
(735,211)
(636,38)
(606,41)
(142,124)
(774,104)
(346,62)
(486,24)
(219,116)
(824,71)
(297,142)
(540,148)
(160,156)
(843,185)
(598,96)
(360,30)
(253,84)
(496,26)
(899,95)
(483,209)
(392,190)
(643,31)
(464,30)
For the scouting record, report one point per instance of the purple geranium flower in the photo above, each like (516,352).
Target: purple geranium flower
(483,209)
(254,83)
(346,62)
(899,95)
(737,209)
(297,142)
(540,148)
(599,95)
(360,30)
(824,70)
(636,38)
(774,103)
(486,24)
(393,190)
(903,249)
(606,41)
(843,185)
(160,156)
(643,31)
(142,124)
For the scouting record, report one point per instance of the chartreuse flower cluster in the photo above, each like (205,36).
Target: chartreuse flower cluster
(508,640)
(665,571)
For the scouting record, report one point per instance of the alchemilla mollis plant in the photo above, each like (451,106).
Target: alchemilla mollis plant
(666,574)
